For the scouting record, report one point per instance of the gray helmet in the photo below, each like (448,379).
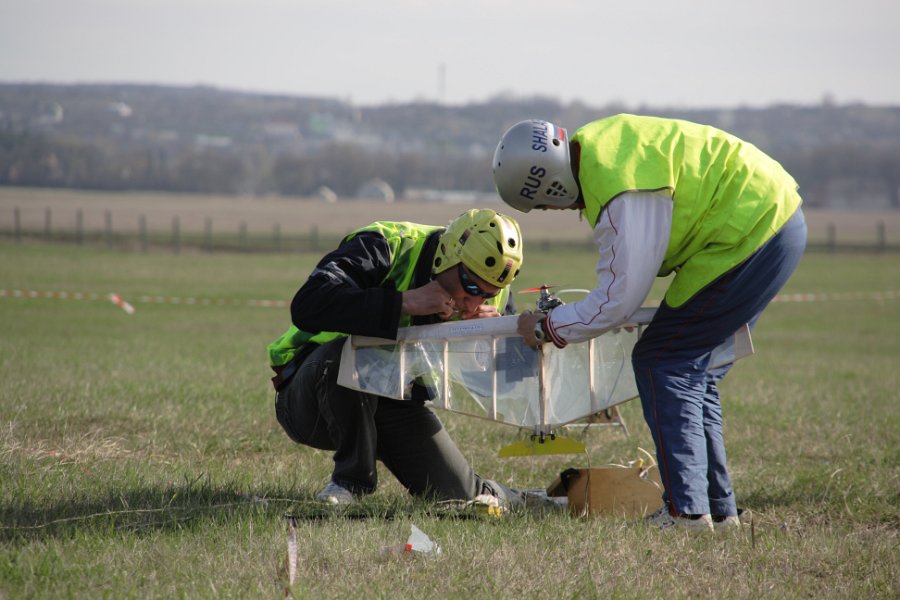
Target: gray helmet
(532,168)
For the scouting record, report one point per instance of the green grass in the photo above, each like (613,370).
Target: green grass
(140,457)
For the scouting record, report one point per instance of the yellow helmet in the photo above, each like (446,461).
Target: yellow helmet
(488,243)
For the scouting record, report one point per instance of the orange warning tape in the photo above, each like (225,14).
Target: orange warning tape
(116,299)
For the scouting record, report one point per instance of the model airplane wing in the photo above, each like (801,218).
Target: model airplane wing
(483,368)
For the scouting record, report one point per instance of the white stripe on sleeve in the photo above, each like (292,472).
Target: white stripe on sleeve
(631,235)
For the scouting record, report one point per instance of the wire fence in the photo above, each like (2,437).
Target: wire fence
(208,238)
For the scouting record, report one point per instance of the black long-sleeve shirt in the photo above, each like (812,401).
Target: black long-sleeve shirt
(347,291)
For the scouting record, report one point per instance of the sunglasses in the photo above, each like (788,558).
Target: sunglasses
(470,286)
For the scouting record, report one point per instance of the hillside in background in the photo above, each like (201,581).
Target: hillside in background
(207,140)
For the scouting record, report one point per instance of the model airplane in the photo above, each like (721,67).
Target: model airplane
(482,368)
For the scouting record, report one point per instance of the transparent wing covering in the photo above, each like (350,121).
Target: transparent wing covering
(482,368)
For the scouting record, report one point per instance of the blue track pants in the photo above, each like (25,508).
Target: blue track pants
(678,391)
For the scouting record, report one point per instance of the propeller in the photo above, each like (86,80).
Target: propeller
(546,286)
(547,301)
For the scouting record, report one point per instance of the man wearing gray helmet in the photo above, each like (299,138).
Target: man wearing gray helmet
(664,197)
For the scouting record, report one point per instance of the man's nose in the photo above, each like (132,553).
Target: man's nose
(472,302)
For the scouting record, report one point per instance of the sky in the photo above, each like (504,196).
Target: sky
(653,53)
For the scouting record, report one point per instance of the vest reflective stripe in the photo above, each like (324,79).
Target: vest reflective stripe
(405,243)
(729,197)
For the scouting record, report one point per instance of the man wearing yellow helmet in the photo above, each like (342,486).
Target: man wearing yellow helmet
(382,277)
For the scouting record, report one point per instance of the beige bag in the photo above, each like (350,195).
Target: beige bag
(612,490)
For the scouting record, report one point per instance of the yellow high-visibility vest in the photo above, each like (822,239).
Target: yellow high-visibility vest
(728,196)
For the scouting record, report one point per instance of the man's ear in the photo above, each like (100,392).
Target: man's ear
(445,280)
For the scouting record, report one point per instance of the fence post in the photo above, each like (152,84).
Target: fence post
(314,237)
(48,220)
(831,238)
(881,238)
(107,229)
(79,227)
(17,225)
(176,235)
(142,232)
(276,237)
(207,233)
(242,236)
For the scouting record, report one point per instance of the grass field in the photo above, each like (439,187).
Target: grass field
(140,457)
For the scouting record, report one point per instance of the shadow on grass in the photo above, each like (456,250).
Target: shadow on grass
(194,505)
(138,509)
(176,507)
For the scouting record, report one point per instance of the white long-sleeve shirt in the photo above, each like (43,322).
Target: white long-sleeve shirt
(632,235)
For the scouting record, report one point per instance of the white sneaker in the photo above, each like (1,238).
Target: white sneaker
(663,520)
(731,522)
(336,494)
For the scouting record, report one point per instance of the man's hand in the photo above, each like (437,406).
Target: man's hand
(525,326)
(430,299)
(482,311)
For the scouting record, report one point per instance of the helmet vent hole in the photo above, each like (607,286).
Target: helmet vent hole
(490,261)
(555,142)
(437,261)
(511,242)
(556,190)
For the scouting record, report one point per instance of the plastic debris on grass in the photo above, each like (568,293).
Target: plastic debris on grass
(418,543)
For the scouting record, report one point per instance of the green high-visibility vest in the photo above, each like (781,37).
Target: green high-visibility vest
(728,196)
(405,242)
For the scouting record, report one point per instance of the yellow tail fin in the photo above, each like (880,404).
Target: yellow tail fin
(541,446)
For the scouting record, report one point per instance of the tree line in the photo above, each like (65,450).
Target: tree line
(204,140)
(38,160)
(41,161)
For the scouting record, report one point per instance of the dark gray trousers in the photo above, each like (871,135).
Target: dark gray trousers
(406,436)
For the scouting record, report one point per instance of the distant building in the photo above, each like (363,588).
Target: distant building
(212,141)
(376,189)
(325,193)
(449,196)
(120,109)
(51,114)
(281,131)
(856,193)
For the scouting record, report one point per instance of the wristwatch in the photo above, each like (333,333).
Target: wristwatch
(539,333)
